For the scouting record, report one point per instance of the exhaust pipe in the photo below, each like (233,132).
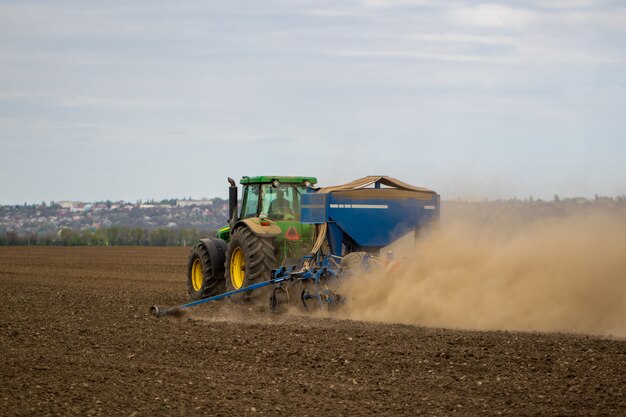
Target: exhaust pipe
(232,200)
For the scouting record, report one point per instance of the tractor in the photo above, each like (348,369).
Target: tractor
(264,234)
(298,242)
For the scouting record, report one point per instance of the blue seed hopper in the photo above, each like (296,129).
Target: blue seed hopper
(368,214)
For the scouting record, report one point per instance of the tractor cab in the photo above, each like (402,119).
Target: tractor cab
(274,199)
(274,202)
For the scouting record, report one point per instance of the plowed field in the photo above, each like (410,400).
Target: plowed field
(76,339)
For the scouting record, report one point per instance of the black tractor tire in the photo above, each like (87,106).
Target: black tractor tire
(205,269)
(259,257)
(354,262)
(360,263)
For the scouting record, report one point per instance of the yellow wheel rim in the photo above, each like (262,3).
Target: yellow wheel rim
(237,268)
(197,276)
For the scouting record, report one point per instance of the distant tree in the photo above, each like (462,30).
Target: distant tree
(160,237)
(139,236)
(92,238)
(68,237)
(168,202)
(12,238)
(45,239)
(31,239)
(101,237)
(112,235)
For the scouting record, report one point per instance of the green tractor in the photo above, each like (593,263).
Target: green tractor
(264,234)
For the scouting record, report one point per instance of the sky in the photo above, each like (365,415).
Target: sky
(160,99)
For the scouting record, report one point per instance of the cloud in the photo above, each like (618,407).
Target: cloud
(123,103)
(408,54)
(17,95)
(399,3)
(331,12)
(464,38)
(570,4)
(534,54)
(495,16)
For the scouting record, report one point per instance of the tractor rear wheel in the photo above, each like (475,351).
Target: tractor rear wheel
(249,259)
(354,262)
(205,269)
(359,263)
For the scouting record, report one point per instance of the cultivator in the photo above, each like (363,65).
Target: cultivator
(351,225)
(312,280)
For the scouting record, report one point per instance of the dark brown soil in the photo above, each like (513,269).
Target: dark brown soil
(77,339)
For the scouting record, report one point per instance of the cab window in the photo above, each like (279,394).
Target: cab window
(282,202)
(250,205)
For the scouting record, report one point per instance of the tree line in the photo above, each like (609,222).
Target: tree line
(108,236)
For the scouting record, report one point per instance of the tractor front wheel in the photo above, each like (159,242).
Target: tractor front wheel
(249,259)
(205,269)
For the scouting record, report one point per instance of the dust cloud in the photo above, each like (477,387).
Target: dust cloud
(562,274)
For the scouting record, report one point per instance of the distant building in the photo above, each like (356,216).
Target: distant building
(70,204)
(187,203)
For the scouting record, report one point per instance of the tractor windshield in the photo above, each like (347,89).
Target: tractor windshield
(282,202)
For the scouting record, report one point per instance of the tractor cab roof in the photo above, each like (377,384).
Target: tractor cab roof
(267,179)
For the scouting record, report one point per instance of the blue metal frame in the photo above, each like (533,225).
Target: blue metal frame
(321,270)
